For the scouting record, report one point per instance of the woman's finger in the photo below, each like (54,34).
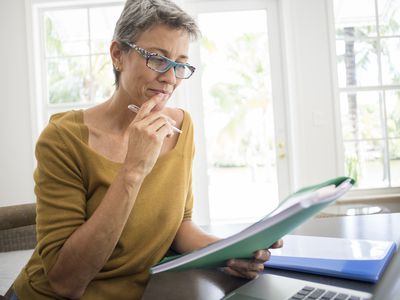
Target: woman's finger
(262,255)
(232,272)
(153,117)
(277,244)
(157,124)
(246,265)
(240,273)
(165,131)
(146,107)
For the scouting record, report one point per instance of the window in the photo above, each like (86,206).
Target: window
(367,48)
(76,69)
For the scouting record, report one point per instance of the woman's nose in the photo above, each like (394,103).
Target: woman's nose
(168,76)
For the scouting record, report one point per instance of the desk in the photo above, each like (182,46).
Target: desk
(212,284)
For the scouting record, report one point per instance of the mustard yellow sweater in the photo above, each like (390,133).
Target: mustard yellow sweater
(71,180)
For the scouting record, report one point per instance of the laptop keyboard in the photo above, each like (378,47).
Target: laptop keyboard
(311,293)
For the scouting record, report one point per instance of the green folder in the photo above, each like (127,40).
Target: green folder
(293,211)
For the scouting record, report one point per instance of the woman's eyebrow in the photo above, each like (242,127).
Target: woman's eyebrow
(166,53)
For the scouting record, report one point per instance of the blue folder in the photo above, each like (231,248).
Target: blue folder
(363,260)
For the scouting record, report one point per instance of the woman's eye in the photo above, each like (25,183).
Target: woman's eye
(157,62)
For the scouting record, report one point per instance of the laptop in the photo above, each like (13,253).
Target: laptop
(274,287)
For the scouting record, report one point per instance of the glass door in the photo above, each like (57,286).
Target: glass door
(238,54)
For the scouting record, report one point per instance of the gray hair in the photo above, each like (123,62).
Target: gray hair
(140,15)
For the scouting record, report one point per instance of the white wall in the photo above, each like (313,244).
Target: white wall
(16,153)
(310,92)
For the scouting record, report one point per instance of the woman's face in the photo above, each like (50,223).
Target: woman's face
(139,82)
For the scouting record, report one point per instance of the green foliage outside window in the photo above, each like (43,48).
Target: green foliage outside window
(366,120)
(77,75)
(240,96)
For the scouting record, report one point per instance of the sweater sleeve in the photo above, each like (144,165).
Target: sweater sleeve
(60,194)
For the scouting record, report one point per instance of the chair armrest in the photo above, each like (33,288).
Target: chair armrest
(17,216)
(17,227)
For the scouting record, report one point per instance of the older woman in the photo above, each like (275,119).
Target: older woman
(113,186)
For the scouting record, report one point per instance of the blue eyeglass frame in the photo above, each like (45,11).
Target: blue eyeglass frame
(171,64)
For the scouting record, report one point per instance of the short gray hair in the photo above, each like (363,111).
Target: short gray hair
(140,15)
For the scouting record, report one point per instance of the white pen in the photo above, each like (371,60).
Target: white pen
(135,109)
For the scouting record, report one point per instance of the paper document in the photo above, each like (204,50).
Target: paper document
(293,211)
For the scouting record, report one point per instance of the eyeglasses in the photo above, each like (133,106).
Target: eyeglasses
(162,64)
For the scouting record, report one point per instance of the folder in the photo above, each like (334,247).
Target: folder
(293,211)
(363,260)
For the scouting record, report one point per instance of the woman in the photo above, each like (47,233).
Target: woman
(113,187)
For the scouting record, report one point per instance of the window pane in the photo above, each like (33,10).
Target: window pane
(361,115)
(102,23)
(393,113)
(357,14)
(391,60)
(64,37)
(103,78)
(238,115)
(394,154)
(68,80)
(369,118)
(389,17)
(357,63)
(364,162)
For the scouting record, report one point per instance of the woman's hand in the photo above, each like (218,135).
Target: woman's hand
(146,136)
(249,268)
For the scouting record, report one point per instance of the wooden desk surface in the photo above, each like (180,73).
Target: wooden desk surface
(213,284)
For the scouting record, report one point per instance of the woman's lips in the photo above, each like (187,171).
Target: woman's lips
(160,92)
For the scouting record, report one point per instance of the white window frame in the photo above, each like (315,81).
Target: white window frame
(362,193)
(40,109)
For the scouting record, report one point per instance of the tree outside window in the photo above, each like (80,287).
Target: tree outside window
(368,43)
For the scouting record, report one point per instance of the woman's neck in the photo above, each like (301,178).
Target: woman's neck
(113,115)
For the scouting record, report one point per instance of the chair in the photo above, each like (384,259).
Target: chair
(17,232)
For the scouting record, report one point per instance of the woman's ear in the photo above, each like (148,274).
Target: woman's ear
(116,55)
